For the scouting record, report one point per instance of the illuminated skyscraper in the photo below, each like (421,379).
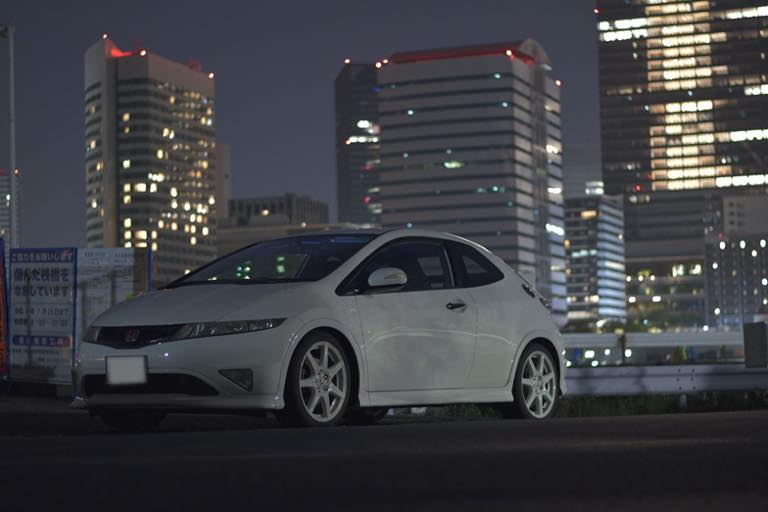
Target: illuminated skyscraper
(684,109)
(471,144)
(357,144)
(149,157)
(594,227)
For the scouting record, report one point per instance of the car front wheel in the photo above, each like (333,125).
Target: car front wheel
(319,383)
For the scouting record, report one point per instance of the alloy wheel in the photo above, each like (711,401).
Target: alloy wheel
(323,381)
(539,384)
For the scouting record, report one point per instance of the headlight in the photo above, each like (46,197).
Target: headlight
(206,329)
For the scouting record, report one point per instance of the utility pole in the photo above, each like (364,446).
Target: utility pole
(7,32)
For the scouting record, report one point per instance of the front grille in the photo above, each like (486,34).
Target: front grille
(135,336)
(166,383)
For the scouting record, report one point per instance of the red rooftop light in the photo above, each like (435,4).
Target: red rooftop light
(378,65)
(116,53)
(596,10)
(558,83)
(347,61)
(143,53)
(211,75)
(385,61)
(104,35)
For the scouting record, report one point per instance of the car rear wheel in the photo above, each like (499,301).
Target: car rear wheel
(130,420)
(319,383)
(535,387)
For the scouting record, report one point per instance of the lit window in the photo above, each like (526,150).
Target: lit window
(205,230)
(126,164)
(187,206)
(193,241)
(160,153)
(126,117)
(140,187)
(174,192)
(127,222)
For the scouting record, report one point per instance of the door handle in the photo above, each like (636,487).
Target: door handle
(456,305)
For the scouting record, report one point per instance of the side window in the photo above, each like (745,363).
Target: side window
(425,264)
(471,267)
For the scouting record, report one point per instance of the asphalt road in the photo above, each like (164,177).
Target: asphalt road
(58,460)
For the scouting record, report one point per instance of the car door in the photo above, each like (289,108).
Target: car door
(422,335)
(498,321)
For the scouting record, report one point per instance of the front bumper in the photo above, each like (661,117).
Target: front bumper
(185,374)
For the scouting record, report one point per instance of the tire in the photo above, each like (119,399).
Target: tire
(535,389)
(130,420)
(319,384)
(366,415)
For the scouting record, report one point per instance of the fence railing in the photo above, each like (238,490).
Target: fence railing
(643,363)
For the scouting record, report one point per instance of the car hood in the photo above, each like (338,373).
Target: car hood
(196,303)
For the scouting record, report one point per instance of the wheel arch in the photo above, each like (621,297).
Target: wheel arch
(352,352)
(535,337)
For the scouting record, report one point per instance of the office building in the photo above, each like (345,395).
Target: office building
(288,209)
(357,144)
(684,103)
(233,237)
(471,144)
(150,157)
(594,246)
(736,262)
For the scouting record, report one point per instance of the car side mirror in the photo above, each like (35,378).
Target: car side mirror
(387,277)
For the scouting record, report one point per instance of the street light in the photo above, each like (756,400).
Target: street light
(7,32)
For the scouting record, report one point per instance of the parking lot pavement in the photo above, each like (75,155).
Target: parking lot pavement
(54,457)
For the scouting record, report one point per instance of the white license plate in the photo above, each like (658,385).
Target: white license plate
(126,370)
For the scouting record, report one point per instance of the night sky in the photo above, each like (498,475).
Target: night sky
(275,63)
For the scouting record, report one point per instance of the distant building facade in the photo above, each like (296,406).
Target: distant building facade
(149,157)
(594,230)
(232,237)
(471,144)
(736,262)
(357,144)
(288,209)
(684,102)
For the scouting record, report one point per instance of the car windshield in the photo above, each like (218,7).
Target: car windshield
(304,258)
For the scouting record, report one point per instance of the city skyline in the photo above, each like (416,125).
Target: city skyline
(53,114)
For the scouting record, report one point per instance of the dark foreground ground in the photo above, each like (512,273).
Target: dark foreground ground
(54,459)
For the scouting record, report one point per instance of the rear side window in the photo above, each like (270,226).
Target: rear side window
(471,267)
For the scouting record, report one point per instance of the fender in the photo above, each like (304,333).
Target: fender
(298,335)
(552,336)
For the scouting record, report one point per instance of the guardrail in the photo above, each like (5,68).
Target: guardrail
(645,349)
(671,379)
(668,363)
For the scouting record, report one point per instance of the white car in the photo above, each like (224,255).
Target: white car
(325,327)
